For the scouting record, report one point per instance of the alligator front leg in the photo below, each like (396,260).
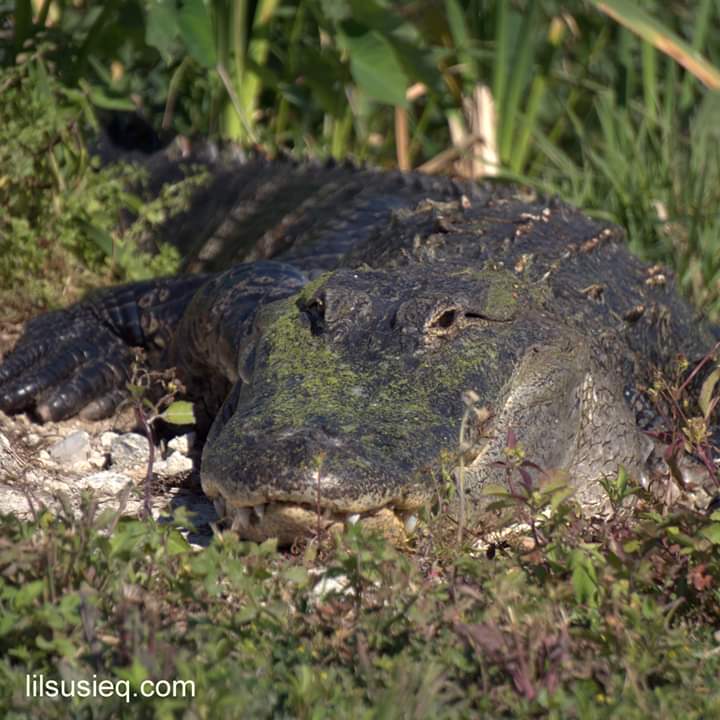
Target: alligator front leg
(77,360)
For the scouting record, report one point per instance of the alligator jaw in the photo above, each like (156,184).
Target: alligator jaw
(288,521)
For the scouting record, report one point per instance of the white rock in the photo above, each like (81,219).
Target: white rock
(108,482)
(107,438)
(339,585)
(9,464)
(174,465)
(97,461)
(183,443)
(160,467)
(72,450)
(129,450)
(33,439)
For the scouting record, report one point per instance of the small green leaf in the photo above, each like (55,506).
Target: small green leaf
(100,237)
(706,392)
(296,574)
(106,102)
(179,413)
(712,533)
(495,489)
(135,674)
(680,537)
(559,497)
(137,391)
(632,546)
(245,615)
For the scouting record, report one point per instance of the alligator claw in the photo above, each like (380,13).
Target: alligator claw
(66,361)
(78,360)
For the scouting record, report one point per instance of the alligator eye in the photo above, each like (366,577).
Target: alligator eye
(315,312)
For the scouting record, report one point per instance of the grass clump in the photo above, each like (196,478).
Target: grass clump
(68,223)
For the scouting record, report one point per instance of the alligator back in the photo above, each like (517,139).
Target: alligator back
(309,214)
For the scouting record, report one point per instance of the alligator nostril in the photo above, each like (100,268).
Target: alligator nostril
(314,311)
(445,319)
(393,319)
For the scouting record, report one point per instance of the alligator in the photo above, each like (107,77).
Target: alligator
(332,321)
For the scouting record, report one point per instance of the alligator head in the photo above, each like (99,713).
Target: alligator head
(350,399)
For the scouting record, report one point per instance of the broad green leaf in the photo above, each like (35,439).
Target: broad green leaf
(8,622)
(28,593)
(324,74)
(161,29)
(196,31)
(102,239)
(419,63)
(128,537)
(176,543)
(59,644)
(559,497)
(179,413)
(373,64)
(584,578)
(375,15)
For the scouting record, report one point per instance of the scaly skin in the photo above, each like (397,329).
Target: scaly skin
(343,391)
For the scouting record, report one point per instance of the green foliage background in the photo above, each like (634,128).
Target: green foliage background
(609,620)
(585,104)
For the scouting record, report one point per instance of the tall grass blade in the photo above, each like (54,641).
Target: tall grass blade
(502,51)
(649,73)
(519,77)
(703,15)
(641,23)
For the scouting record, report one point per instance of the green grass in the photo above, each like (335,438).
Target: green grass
(596,620)
(62,213)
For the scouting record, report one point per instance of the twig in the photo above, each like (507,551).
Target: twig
(147,429)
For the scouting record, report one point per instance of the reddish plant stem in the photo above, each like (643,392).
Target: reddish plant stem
(147,429)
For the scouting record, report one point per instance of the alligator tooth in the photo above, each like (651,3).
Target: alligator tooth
(410,523)
(352,519)
(219,505)
(241,518)
(259,511)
